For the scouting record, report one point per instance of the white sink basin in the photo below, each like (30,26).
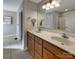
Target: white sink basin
(63,41)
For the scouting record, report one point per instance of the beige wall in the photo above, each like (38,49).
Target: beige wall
(10,28)
(29,10)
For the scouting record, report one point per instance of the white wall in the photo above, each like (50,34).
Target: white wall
(10,28)
(18,24)
(29,10)
(69,18)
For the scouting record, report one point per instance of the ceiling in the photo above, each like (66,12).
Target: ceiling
(36,1)
(11,5)
(65,4)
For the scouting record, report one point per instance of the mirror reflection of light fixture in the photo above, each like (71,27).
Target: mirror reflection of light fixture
(47,8)
(48,5)
(43,7)
(54,2)
(51,4)
(57,5)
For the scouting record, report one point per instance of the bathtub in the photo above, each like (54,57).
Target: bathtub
(9,39)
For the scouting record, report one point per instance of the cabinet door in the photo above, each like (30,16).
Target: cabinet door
(32,46)
(66,56)
(47,54)
(38,48)
(37,56)
(56,57)
(30,43)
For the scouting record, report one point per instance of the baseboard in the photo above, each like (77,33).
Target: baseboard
(25,49)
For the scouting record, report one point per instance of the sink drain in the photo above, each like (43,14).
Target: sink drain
(62,43)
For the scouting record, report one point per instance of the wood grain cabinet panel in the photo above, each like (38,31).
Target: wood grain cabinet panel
(59,53)
(38,48)
(39,40)
(32,47)
(30,43)
(52,48)
(56,57)
(37,56)
(47,54)
(66,56)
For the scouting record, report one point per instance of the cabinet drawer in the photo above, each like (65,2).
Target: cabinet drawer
(66,56)
(39,40)
(38,48)
(52,48)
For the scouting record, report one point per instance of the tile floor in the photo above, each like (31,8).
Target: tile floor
(16,54)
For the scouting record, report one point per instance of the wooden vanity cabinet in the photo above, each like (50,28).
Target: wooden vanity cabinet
(42,49)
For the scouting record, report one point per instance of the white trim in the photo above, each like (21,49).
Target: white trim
(5,35)
(24,49)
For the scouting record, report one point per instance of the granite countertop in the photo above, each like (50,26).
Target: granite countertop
(47,36)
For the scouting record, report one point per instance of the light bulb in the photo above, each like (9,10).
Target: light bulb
(43,6)
(48,5)
(54,2)
(47,8)
(51,6)
(57,5)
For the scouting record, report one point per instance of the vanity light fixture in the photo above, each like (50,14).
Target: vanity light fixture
(51,4)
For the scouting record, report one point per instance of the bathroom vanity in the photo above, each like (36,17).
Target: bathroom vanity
(42,47)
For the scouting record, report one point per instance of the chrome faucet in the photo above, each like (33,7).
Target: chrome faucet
(38,29)
(65,36)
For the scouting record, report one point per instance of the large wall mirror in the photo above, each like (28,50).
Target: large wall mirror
(58,18)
